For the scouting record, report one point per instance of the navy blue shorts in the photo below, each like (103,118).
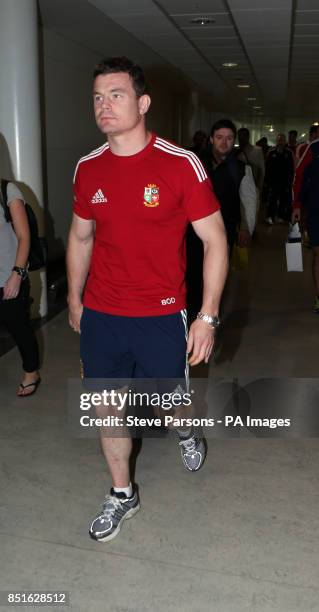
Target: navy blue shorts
(118,347)
(312,222)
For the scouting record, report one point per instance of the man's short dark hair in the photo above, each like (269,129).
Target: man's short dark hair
(223,123)
(112,65)
(293,133)
(313,129)
(244,130)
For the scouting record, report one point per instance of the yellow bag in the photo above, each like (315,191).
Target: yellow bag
(239,259)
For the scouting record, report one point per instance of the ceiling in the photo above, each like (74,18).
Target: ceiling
(275,44)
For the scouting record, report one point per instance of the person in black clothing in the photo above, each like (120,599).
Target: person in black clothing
(15,286)
(292,142)
(278,180)
(263,144)
(234,186)
(199,141)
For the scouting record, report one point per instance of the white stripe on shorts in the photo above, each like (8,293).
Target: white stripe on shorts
(184,318)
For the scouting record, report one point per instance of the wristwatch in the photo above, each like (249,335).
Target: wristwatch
(213,321)
(23,272)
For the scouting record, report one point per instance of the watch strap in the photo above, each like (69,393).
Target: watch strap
(23,272)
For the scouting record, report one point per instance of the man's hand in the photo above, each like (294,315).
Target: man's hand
(12,286)
(75,314)
(244,238)
(200,342)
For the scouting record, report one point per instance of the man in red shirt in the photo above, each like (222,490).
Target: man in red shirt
(304,156)
(133,199)
(302,210)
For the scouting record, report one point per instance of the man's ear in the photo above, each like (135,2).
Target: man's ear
(211,139)
(144,103)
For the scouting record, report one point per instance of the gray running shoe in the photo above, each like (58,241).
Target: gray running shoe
(193,451)
(116,509)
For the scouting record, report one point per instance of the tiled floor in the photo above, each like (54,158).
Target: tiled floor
(240,535)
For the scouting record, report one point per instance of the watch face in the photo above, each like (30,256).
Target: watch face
(212,321)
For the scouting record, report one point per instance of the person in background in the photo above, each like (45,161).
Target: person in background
(292,142)
(199,142)
(263,144)
(304,146)
(233,184)
(235,188)
(15,287)
(305,208)
(278,182)
(306,152)
(309,198)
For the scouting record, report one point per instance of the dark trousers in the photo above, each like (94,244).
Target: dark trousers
(14,315)
(279,203)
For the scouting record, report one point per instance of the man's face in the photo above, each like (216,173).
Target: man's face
(281,140)
(292,139)
(314,135)
(116,107)
(223,141)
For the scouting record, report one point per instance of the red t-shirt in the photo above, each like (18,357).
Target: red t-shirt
(141,205)
(305,156)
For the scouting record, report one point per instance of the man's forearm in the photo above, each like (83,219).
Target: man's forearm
(215,269)
(78,263)
(22,251)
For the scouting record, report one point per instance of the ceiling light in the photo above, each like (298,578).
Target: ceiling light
(303,135)
(202,21)
(257,107)
(230,64)
(271,129)
(316,123)
(243,86)
(251,99)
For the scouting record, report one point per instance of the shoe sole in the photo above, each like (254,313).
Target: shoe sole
(116,531)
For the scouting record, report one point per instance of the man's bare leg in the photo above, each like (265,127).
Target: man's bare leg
(123,501)
(117,453)
(116,444)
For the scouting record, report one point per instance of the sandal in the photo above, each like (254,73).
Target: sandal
(35,384)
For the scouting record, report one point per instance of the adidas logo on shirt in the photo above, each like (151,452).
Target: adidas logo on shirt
(99,197)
